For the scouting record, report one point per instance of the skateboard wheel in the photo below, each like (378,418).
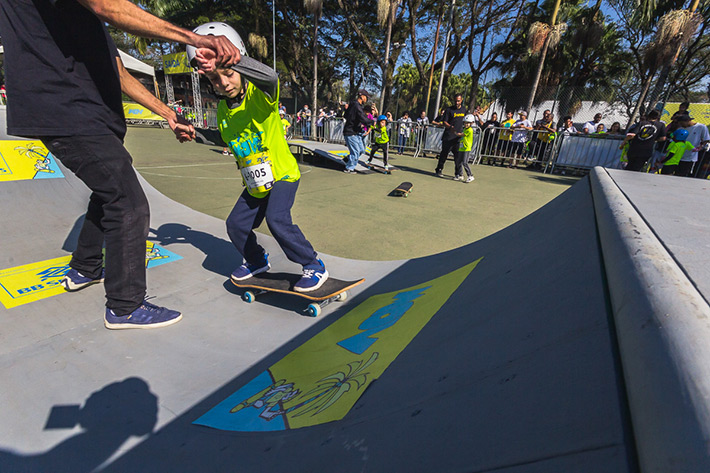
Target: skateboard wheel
(313,310)
(248,297)
(342,296)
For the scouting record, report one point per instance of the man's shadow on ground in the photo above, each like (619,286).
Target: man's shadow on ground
(108,418)
(220,255)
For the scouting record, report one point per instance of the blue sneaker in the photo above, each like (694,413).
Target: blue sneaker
(247,270)
(73,280)
(313,277)
(146,316)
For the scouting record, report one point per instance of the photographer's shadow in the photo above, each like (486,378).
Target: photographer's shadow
(108,418)
(220,256)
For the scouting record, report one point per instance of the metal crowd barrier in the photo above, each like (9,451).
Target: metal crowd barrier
(587,151)
(542,149)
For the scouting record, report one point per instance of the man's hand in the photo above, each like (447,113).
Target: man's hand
(184,131)
(215,51)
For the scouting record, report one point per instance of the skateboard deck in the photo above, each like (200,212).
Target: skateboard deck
(379,168)
(402,190)
(332,289)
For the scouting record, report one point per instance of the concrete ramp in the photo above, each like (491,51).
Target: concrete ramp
(517,370)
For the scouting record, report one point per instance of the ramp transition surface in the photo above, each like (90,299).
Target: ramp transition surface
(516,370)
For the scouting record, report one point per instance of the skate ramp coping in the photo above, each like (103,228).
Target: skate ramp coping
(661,318)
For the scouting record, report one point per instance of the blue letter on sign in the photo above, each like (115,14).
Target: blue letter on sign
(383,318)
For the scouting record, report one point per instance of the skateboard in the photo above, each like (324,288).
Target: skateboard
(332,289)
(402,190)
(379,168)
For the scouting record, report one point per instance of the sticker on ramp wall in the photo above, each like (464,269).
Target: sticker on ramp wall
(23,160)
(321,380)
(31,282)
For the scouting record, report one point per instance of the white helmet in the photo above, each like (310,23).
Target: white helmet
(217,28)
(469,118)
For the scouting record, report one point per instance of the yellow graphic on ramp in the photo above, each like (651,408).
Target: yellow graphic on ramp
(26,159)
(321,380)
(31,282)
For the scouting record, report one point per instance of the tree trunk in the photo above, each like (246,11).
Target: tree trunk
(314,107)
(475,77)
(538,74)
(642,98)
(390,20)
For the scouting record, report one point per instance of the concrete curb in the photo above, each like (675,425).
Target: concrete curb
(663,329)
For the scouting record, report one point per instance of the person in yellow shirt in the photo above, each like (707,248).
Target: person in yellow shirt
(464,151)
(285,123)
(505,136)
(249,123)
(382,140)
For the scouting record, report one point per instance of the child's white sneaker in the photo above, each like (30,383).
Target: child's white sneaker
(470,178)
(458,178)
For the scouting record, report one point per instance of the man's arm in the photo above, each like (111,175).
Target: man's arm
(131,18)
(130,86)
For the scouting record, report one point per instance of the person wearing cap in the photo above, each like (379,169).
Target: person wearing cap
(520,134)
(66,78)
(698,135)
(355,118)
(249,123)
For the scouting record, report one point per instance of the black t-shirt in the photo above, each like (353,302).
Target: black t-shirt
(60,70)
(647,132)
(453,116)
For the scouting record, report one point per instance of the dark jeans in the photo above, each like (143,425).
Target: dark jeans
(636,163)
(380,146)
(684,168)
(249,212)
(447,146)
(118,216)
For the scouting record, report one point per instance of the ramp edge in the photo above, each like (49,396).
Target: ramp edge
(663,328)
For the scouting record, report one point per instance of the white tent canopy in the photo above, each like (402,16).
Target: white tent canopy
(134,65)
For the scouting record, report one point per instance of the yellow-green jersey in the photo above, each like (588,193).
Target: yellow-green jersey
(286,124)
(506,135)
(676,150)
(381,136)
(466,139)
(254,133)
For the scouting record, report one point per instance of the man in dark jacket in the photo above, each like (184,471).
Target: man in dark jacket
(355,118)
(453,124)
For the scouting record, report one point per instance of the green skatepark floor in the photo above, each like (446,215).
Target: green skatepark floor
(352,216)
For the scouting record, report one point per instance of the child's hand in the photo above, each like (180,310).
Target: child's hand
(184,131)
(217,48)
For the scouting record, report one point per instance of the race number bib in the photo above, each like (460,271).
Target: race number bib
(258,177)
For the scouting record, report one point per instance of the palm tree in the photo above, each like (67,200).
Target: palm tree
(386,10)
(543,36)
(314,7)
(678,28)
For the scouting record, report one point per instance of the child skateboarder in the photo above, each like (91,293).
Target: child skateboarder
(675,151)
(249,123)
(462,156)
(382,141)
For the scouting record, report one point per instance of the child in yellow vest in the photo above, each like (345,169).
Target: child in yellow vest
(284,123)
(675,151)
(249,123)
(464,152)
(382,140)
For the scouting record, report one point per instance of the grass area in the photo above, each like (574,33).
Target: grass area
(352,216)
